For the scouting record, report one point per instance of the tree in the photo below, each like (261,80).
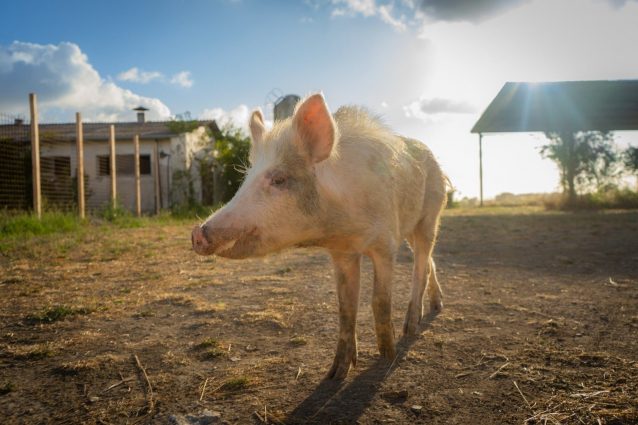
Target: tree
(586,160)
(223,164)
(631,159)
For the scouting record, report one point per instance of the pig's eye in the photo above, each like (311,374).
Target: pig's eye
(278,180)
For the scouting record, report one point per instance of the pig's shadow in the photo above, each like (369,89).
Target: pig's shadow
(345,402)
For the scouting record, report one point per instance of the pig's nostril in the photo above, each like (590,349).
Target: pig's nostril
(197,237)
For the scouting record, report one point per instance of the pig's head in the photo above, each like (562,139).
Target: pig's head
(279,204)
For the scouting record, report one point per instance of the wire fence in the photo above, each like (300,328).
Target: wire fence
(51,167)
(58,179)
(15,163)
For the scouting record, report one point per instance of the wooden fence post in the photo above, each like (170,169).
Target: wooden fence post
(112,165)
(156,174)
(35,156)
(80,157)
(138,190)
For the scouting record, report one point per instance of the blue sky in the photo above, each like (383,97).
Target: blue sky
(429,67)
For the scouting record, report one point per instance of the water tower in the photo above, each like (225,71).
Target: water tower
(285,106)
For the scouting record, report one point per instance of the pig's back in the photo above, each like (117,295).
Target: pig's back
(383,174)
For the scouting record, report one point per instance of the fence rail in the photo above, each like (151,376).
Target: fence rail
(46,171)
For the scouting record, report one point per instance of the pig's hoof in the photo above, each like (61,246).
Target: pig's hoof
(436,305)
(346,356)
(412,320)
(410,327)
(388,352)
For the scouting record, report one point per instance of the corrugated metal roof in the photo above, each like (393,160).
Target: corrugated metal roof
(97,131)
(562,106)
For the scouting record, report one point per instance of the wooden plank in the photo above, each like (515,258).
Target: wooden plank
(113,166)
(79,135)
(35,155)
(138,189)
(156,179)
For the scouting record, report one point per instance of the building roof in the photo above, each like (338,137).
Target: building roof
(149,130)
(562,106)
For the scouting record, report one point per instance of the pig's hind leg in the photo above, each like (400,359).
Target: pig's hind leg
(419,280)
(424,271)
(347,273)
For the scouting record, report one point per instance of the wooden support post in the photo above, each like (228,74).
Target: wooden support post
(35,156)
(156,179)
(112,166)
(80,158)
(481,164)
(138,189)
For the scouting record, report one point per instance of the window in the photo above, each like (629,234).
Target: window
(124,165)
(56,165)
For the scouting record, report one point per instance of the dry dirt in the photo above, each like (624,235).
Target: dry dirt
(540,324)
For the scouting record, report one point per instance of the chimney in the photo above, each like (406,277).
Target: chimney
(18,121)
(141,118)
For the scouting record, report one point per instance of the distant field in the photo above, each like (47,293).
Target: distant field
(539,324)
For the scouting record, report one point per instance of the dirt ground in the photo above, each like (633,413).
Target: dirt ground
(540,324)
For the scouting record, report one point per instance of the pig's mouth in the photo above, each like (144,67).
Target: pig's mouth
(226,242)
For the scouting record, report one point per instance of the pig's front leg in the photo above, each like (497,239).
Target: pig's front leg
(382,302)
(347,272)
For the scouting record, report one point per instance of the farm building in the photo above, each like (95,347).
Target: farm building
(167,162)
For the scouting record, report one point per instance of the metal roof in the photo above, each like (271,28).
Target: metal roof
(149,130)
(562,106)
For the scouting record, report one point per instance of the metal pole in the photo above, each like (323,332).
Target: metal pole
(80,157)
(138,191)
(113,167)
(481,164)
(35,155)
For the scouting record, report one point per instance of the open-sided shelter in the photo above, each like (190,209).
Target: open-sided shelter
(562,107)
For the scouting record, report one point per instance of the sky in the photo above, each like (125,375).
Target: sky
(427,67)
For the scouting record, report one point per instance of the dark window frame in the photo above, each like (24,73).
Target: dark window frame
(124,165)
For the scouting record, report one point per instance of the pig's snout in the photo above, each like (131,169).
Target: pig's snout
(200,243)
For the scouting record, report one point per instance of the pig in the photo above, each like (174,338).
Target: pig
(346,183)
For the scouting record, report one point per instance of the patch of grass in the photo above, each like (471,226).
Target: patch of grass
(298,341)
(6,388)
(143,314)
(208,343)
(213,353)
(191,212)
(212,347)
(31,352)
(603,199)
(55,313)
(26,225)
(236,384)
(119,216)
(283,271)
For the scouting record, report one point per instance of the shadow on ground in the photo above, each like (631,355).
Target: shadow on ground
(345,402)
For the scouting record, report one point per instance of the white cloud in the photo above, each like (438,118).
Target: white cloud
(182,79)
(238,116)
(363,7)
(137,76)
(385,13)
(424,108)
(368,8)
(65,82)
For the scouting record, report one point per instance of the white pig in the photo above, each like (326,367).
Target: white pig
(348,184)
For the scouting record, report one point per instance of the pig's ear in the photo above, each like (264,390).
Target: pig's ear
(257,127)
(315,127)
